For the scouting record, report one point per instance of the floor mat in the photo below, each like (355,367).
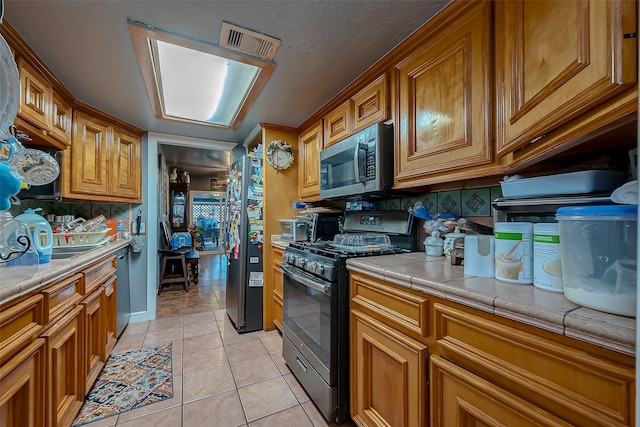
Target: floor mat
(129,380)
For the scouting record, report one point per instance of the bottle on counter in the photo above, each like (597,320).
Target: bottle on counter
(120,234)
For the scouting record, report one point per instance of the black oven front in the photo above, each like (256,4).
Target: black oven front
(316,333)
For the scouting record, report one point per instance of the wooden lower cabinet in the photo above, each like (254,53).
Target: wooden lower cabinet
(110,315)
(388,375)
(277,290)
(65,382)
(94,336)
(22,388)
(460,398)
(418,360)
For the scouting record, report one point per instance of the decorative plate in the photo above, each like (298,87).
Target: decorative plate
(9,87)
(279,155)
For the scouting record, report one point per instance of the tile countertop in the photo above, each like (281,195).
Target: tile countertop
(14,283)
(523,303)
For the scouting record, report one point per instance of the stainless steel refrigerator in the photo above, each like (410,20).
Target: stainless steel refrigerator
(244,243)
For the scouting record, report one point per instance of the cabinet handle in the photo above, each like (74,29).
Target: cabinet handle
(302,365)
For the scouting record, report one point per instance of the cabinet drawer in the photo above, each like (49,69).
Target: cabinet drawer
(19,325)
(393,304)
(465,399)
(61,297)
(578,386)
(95,275)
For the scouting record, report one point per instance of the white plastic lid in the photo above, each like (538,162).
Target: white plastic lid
(513,226)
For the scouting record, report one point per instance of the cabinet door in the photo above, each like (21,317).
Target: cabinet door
(61,119)
(445,101)
(371,104)
(109,302)
(127,172)
(94,337)
(459,398)
(22,388)
(278,283)
(90,156)
(65,383)
(178,211)
(309,146)
(337,124)
(538,87)
(388,375)
(35,97)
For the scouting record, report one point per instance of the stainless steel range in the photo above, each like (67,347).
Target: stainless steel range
(316,303)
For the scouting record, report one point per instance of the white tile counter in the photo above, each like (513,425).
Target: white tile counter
(14,281)
(523,303)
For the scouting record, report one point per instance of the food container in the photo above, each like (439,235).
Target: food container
(547,267)
(598,254)
(362,242)
(514,252)
(434,245)
(565,183)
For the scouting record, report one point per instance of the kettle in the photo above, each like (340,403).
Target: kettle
(41,234)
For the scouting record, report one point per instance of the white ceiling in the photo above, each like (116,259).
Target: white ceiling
(325,46)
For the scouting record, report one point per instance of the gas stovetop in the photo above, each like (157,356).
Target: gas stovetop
(329,250)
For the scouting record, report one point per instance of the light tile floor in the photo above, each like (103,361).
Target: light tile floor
(221,378)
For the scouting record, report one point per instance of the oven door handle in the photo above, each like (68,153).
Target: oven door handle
(305,281)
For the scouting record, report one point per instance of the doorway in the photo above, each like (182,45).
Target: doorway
(207,213)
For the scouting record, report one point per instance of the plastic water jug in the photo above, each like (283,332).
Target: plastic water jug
(41,234)
(14,238)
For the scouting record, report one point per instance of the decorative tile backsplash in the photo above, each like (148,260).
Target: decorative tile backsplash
(469,202)
(83,210)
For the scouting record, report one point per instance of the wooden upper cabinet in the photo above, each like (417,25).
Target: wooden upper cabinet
(444,101)
(35,97)
(557,59)
(309,146)
(90,156)
(371,104)
(61,119)
(338,124)
(126,162)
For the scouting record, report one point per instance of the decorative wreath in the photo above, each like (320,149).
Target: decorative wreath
(279,145)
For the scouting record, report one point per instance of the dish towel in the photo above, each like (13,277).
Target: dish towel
(626,194)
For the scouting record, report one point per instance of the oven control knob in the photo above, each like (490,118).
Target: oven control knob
(300,262)
(311,265)
(319,268)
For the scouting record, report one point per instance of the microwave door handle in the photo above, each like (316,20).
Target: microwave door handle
(356,161)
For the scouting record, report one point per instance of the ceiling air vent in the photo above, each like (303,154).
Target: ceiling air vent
(248,42)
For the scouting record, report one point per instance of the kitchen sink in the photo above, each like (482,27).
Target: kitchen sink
(66,252)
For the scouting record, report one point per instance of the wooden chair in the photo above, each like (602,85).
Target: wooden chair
(174,262)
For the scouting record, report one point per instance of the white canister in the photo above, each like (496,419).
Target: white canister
(547,269)
(514,252)
(479,256)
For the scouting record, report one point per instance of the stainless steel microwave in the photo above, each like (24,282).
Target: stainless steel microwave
(361,164)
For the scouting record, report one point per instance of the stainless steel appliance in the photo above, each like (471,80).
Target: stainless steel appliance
(244,244)
(322,225)
(294,230)
(315,324)
(541,209)
(123,301)
(361,164)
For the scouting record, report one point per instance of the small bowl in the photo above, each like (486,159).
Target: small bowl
(34,167)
